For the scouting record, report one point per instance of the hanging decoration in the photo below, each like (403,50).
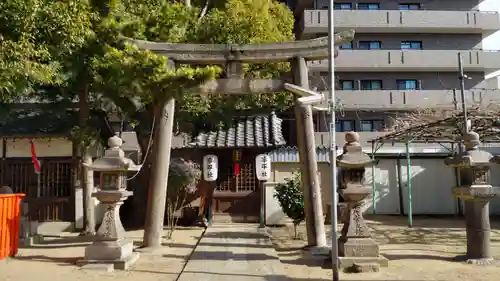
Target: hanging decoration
(236,162)
(34,159)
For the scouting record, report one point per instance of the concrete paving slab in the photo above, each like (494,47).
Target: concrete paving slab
(229,252)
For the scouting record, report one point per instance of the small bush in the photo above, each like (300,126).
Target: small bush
(291,199)
(183,177)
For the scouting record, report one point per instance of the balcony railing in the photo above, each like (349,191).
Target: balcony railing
(410,60)
(316,21)
(413,99)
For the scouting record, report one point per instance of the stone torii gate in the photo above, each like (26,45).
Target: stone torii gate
(232,57)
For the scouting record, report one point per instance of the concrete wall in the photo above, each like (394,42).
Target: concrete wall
(281,171)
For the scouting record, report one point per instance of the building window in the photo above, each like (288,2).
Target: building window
(342,6)
(371,84)
(408,84)
(347,84)
(319,4)
(411,45)
(370,45)
(409,7)
(346,46)
(368,6)
(371,125)
(344,125)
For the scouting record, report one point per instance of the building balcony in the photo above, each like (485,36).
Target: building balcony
(395,21)
(413,99)
(322,139)
(410,60)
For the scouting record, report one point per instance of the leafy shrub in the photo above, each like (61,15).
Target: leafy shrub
(183,177)
(291,199)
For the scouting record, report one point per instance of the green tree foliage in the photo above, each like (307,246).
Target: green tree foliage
(291,199)
(244,22)
(237,22)
(34,35)
(57,49)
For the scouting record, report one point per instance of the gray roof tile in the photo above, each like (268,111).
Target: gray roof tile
(256,131)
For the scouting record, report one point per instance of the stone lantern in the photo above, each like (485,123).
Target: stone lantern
(358,251)
(110,247)
(475,189)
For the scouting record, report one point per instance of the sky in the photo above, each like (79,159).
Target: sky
(492,42)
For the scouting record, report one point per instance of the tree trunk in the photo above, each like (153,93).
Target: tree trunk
(135,206)
(86,175)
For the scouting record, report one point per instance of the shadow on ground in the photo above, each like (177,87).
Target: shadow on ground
(57,242)
(57,260)
(224,255)
(439,239)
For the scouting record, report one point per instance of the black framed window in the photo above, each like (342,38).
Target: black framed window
(408,84)
(370,45)
(342,6)
(346,85)
(411,45)
(371,125)
(371,84)
(346,46)
(344,125)
(369,6)
(410,7)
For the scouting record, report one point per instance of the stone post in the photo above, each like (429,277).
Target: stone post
(475,188)
(110,248)
(358,251)
(300,73)
(157,191)
(309,168)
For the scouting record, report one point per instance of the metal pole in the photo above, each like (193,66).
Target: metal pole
(39,182)
(408,185)
(462,91)
(262,204)
(374,184)
(333,146)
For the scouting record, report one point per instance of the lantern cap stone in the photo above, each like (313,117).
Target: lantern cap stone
(351,137)
(115,142)
(353,155)
(114,159)
(473,156)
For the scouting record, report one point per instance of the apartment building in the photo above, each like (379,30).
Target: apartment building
(404,56)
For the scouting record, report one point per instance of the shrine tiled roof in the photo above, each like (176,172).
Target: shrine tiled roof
(255,131)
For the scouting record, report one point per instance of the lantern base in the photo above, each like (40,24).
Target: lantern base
(117,253)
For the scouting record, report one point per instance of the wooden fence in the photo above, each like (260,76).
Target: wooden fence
(50,195)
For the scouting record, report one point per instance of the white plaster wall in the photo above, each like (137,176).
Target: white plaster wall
(46,147)
(274,214)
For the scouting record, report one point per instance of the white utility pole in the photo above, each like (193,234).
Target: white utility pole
(333,146)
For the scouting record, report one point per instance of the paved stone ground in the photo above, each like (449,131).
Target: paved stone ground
(232,252)
(55,258)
